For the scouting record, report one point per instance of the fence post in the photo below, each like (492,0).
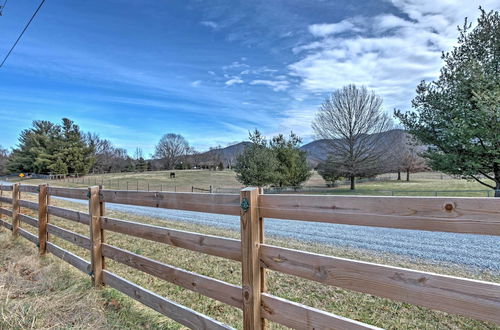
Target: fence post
(42,218)
(96,235)
(251,270)
(16,195)
(1,194)
(263,271)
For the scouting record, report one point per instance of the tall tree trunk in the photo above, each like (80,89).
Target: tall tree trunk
(496,172)
(399,175)
(353,183)
(408,175)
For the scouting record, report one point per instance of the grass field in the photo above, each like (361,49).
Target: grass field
(421,184)
(68,291)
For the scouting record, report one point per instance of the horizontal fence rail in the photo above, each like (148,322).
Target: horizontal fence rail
(472,298)
(453,214)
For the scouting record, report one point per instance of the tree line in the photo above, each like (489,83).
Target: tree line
(454,128)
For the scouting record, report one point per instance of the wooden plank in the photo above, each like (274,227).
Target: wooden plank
(219,290)
(96,236)
(263,271)
(476,299)
(212,245)
(29,189)
(6,212)
(250,245)
(4,199)
(29,220)
(176,312)
(4,187)
(199,202)
(43,218)
(76,193)
(69,257)
(449,214)
(298,316)
(1,201)
(28,204)
(72,215)
(5,224)
(16,210)
(29,236)
(69,236)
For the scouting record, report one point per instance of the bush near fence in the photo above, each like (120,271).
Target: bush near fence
(472,298)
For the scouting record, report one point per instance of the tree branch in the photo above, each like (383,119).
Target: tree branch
(481,182)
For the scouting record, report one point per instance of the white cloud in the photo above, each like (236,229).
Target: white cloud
(388,53)
(210,24)
(276,85)
(323,30)
(196,83)
(234,80)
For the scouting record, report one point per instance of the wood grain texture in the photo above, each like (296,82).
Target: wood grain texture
(476,299)
(76,193)
(16,209)
(219,290)
(4,187)
(83,218)
(250,244)
(176,312)
(298,316)
(4,199)
(28,205)
(69,236)
(199,202)
(5,224)
(29,220)
(43,218)
(29,236)
(6,212)
(449,214)
(211,245)
(96,236)
(72,259)
(28,189)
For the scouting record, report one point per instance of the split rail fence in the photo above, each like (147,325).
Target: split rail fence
(471,298)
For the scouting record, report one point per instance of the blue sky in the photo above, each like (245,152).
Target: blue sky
(132,71)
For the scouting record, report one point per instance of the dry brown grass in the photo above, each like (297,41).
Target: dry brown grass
(363,307)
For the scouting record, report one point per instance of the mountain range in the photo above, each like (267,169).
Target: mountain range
(317,151)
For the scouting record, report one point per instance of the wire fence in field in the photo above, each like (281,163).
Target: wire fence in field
(338,189)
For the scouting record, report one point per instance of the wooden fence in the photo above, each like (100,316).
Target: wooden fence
(472,298)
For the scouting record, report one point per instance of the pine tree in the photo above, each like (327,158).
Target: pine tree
(458,115)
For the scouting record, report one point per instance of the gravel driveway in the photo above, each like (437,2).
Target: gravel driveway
(476,252)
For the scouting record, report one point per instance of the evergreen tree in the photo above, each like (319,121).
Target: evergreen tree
(141,165)
(257,165)
(279,162)
(292,167)
(458,116)
(50,148)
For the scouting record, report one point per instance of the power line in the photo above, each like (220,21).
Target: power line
(2,7)
(25,28)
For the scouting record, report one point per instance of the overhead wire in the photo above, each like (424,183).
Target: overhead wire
(2,7)
(24,30)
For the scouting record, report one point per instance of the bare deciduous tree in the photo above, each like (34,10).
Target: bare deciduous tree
(4,157)
(108,158)
(171,149)
(352,120)
(409,159)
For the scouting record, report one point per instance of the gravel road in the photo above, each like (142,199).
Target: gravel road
(476,252)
